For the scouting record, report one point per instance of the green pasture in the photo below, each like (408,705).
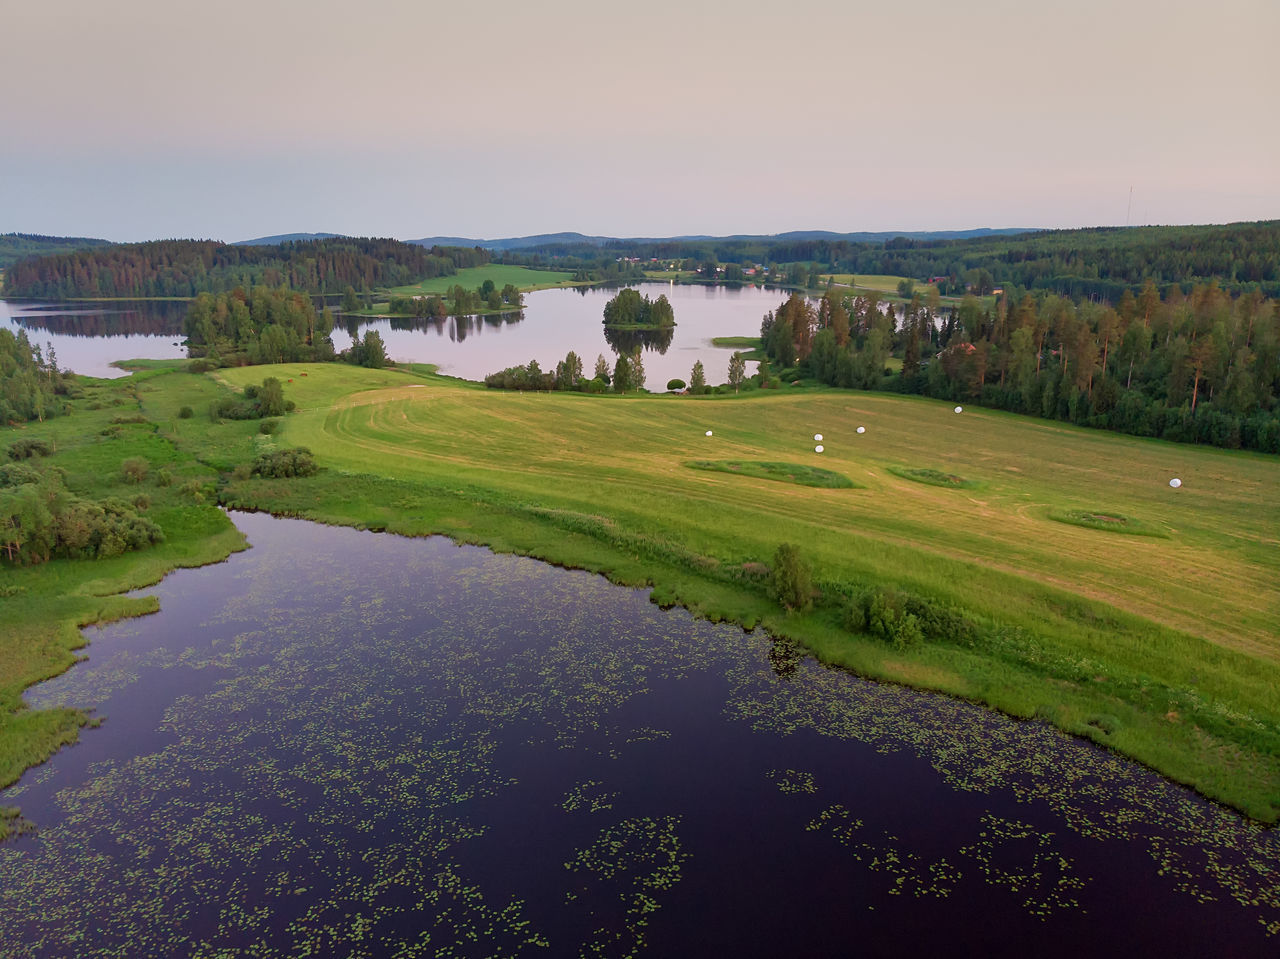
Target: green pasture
(501,274)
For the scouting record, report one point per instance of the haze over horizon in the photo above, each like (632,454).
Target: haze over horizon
(142,119)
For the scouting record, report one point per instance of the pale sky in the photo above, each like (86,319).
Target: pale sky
(137,119)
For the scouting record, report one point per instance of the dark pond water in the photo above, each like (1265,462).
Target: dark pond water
(89,336)
(343,743)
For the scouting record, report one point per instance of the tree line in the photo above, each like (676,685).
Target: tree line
(1099,262)
(31,385)
(1200,366)
(186,268)
(458,301)
(267,325)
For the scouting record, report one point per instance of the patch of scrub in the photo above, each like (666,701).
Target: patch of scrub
(782,472)
(1107,520)
(933,477)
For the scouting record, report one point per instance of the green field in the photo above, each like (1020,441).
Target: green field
(1161,647)
(501,274)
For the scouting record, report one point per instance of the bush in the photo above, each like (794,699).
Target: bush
(792,579)
(26,448)
(186,413)
(201,366)
(135,469)
(141,502)
(674,386)
(267,427)
(164,478)
(195,490)
(904,619)
(279,464)
(18,474)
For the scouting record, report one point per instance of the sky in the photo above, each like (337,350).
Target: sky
(140,119)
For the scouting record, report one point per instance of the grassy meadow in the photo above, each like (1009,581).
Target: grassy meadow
(1162,646)
(501,274)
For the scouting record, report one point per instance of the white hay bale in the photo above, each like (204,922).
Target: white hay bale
(818,448)
(1175,482)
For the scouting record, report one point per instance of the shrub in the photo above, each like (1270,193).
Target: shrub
(904,619)
(135,469)
(193,489)
(18,474)
(142,502)
(267,427)
(675,386)
(26,448)
(201,366)
(164,478)
(792,579)
(279,464)
(270,397)
(186,413)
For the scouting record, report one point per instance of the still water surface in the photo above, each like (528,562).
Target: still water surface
(349,743)
(89,336)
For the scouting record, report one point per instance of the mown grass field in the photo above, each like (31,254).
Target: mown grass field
(501,274)
(1163,647)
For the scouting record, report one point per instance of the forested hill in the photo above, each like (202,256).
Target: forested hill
(15,246)
(1098,263)
(190,267)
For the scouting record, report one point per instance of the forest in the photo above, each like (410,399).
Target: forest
(1197,367)
(17,246)
(31,385)
(267,325)
(186,268)
(1098,263)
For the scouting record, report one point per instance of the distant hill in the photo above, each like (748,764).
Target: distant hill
(15,246)
(582,239)
(287,238)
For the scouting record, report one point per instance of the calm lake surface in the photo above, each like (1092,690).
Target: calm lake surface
(557,321)
(342,743)
(89,336)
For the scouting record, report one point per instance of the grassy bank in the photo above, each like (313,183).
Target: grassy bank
(44,606)
(1162,647)
(500,273)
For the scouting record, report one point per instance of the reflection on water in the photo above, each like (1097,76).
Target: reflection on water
(88,337)
(626,342)
(554,322)
(346,743)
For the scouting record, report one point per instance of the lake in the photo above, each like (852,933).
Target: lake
(343,743)
(89,336)
(557,321)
